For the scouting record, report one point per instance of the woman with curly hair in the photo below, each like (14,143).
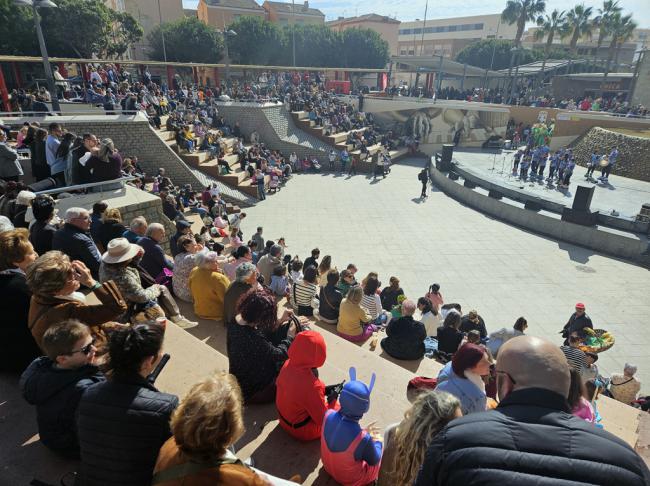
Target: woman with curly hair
(258,344)
(406,443)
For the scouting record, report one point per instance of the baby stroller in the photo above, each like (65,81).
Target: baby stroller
(274,183)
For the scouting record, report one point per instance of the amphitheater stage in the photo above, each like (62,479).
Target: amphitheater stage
(622,194)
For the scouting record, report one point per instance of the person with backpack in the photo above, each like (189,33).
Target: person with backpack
(423,177)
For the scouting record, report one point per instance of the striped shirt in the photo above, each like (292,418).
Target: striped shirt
(576,358)
(372,303)
(302,293)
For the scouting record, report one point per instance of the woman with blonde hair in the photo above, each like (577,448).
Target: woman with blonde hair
(354,322)
(204,425)
(406,443)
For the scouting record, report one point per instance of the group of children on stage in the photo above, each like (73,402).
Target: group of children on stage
(561,165)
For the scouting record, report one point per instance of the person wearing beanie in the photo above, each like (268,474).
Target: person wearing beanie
(302,398)
(576,323)
(350,453)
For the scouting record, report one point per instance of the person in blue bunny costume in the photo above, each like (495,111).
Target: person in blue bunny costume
(350,453)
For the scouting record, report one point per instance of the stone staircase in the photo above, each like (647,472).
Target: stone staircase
(338,141)
(206,168)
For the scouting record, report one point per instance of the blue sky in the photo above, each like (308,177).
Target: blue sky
(410,10)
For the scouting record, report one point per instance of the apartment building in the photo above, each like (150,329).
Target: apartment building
(221,13)
(285,13)
(386,27)
(447,37)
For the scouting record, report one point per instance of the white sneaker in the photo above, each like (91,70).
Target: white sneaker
(183,322)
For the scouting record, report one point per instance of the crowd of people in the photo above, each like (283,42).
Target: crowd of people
(526,95)
(88,363)
(88,297)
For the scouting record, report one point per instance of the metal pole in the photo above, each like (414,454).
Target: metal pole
(293,30)
(514,85)
(227,55)
(162,34)
(424,24)
(439,83)
(46,61)
(494,48)
(462,81)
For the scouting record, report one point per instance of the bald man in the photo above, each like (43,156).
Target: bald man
(531,437)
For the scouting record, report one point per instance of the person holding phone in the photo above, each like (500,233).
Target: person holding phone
(302,398)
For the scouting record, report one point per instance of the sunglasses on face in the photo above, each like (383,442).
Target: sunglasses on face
(85,350)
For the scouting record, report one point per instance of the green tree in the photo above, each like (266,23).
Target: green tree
(186,40)
(126,31)
(620,29)
(364,48)
(17,36)
(521,11)
(257,41)
(549,26)
(480,53)
(602,21)
(316,45)
(580,24)
(77,28)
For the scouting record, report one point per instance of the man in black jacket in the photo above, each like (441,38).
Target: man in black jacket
(576,323)
(73,240)
(531,437)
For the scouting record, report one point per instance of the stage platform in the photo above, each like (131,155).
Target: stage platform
(621,194)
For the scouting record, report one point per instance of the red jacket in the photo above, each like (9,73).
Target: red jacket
(300,394)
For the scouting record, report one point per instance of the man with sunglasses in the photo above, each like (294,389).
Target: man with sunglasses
(531,437)
(56,382)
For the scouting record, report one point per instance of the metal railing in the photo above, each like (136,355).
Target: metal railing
(58,190)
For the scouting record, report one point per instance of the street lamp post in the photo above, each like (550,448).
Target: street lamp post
(227,33)
(293,31)
(36,4)
(162,33)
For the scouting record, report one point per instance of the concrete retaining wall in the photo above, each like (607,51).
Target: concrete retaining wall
(611,243)
(634,152)
(275,127)
(130,201)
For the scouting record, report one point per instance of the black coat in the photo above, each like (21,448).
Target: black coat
(577,324)
(253,358)
(330,301)
(56,393)
(122,425)
(531,438)
(389,297)
(78,245)
(110,229)
(466,326)
(405,338)
(448,339)
(17,345)
(41,235)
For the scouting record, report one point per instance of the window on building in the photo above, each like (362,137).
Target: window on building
(402,52)
(411,52)
(453,28)
(417,31)
(405,31)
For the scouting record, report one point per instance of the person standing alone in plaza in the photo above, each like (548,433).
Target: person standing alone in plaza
(423,177)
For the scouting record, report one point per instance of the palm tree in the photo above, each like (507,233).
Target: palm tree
(520,12)
(580,25)
(620,29)
(602,21)
(549,25)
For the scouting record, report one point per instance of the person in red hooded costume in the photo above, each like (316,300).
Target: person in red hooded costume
(302,398)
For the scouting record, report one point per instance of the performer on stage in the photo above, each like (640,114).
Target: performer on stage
(576,323)
(606,169)
(591,166)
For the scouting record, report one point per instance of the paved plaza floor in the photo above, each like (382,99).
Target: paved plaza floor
(624,195)
(500,270)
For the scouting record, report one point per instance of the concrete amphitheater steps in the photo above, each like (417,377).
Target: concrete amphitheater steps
(203,162)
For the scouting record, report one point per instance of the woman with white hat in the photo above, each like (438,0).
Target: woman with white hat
(120,264)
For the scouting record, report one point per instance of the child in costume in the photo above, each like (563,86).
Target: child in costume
(350,453)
